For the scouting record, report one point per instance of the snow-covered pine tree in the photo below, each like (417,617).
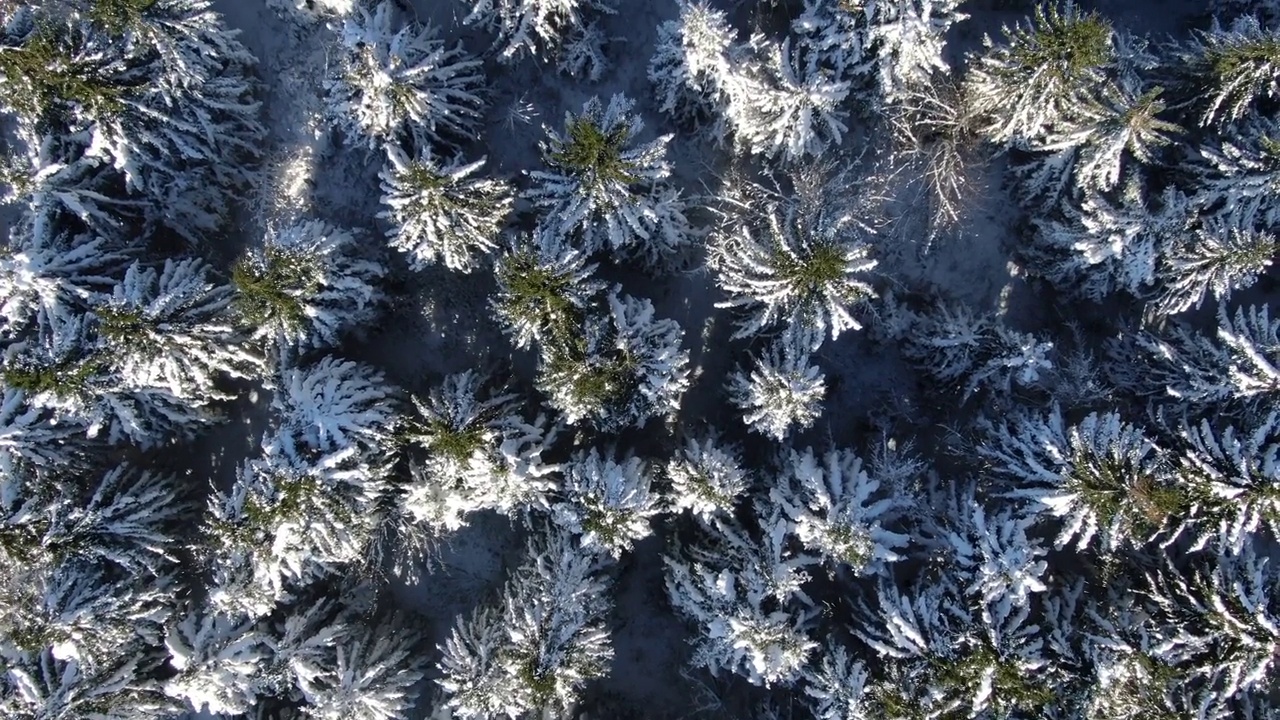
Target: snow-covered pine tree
(532,27)
(605,189)
(744,595)
(1104,246)
(306,286)
(1216,259)
(1045,68)
(188,36)
(335,406)
(837,686)
(477,683)
(56,181)
(216,657)
(785,108)
(834,33)
(1117,125)
(295,514)
(1104,480)
(1228,70)
(908,39)
(482,454)
(369,675)
(1236,366)
(1125,124)
(31,435)
(64,369)
(840,512)
(707,477)
(782,391)
(1219,621)
(169,107)
(545,640)
(129,521)
(622,370)
(606,501)
(969,352)
(1239,173)
(83,612)
(583,54)
(999,564)
(302,640)
(313,10)
(53,275)
(803,268)
(942,657)
(169,328)
(693,66)
(1233,476)
(397,81)
(439,211)
(45,686)
(545,290)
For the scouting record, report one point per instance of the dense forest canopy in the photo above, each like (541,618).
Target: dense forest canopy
(613,359)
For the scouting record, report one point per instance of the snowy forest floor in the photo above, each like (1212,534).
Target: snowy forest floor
(440,323)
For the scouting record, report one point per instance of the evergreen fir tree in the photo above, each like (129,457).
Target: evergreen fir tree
(481,454)
(969,352)
(334,406)
(216,658)
(783,391)
(1122,124)
(1218,622)
(1104,246)
(49,687)
(1045,68)
(908,38)
(583,54)
(837,686)
(370,675)
(1103,479)
(606,501)
(623,370)
(168,328)
(840,512)
(545,290)
(169,107)
(29,435)
(402,84)
(1237,365)
(942,658)
(1217,259)
(785,108)
(531,27)
(606,189)
(54,276)
(438,211)
(1230,69)
(692,69)
(306,286)
(534,652)
(744,596)
(1239,174)
(802,269)
(53,178)
(284,523)
(707,477)
(999,564)
(1232,474)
